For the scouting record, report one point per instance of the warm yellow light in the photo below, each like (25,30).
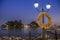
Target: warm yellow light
(26,26)
(39,20)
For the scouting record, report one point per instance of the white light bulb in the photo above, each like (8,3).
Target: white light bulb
(48,6)
(36,5)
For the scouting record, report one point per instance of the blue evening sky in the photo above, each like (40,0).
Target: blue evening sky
(24,10)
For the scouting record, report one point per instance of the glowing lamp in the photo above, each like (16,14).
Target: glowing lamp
(48,6)
(36,4)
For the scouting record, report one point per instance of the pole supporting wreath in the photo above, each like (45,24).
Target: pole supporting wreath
(42,25)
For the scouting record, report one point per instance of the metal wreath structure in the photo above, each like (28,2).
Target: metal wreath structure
(42,25)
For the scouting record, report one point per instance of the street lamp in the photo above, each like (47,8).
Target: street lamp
(36,4)
(55,32)
(48,6)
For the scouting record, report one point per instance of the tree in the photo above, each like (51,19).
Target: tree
(18,24)
(14,24)
(3,26)
(33,24)
(9,24)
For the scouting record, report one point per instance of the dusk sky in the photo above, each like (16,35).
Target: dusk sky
(24,10)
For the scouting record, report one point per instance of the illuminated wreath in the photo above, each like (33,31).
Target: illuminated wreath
(42,25)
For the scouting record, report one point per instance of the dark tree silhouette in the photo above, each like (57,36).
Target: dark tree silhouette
(33,24)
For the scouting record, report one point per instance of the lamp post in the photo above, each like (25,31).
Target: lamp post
(36,5)
(55,32)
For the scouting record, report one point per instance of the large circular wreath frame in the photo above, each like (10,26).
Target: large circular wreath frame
(42,25)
